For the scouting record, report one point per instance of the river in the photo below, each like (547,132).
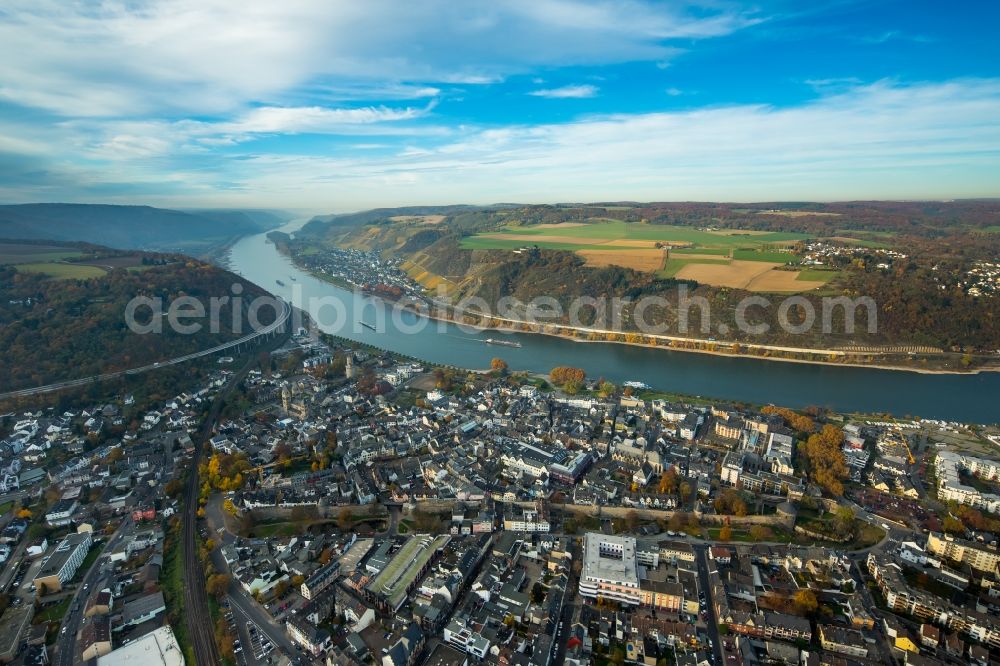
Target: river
(967,398)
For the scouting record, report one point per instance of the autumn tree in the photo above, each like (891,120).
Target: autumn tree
(796,421)
(562,375)
(174,487)
(730,502)
(498,365)
(632,520)
(225,471)
(726,533)
(668,481)
(217,585)
(761,533)
(677,521)
(805,601)
(823,459)
(345,519)
(952,525)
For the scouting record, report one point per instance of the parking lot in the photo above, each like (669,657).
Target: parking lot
(252,648)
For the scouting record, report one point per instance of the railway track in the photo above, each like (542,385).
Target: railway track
(199,619)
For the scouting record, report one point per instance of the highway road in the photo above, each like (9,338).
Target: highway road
(83,381)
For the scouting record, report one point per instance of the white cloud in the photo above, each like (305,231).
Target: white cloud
(313,119)
(576,92)
(877,141)
(931,140)
(214,56)
(674,92)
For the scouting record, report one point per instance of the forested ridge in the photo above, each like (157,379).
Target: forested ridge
(132,227)
(53,330)
(923,298)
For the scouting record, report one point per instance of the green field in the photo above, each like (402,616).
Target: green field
(719,251)
(595,235)
(61,271)
(816,274)
(617,230)
(36,257)
(486,242)
(764,255)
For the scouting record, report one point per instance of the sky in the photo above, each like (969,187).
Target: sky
(338,105)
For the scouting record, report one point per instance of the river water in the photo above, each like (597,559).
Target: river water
(968,398)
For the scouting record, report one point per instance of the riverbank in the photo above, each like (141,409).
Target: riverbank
(963,397)
(875,366)
(803,355)
(672,343)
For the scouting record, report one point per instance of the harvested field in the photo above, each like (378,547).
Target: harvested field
(640,260)
(783,281)
(423,219)
(737,274)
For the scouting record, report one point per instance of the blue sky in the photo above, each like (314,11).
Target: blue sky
(333,106)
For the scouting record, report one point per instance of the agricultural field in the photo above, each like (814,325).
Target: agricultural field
(822,275)
(645,260)
(64,263)
(63,271)
(133,261)
(734,258)
(669,235)
(23,253)
(740,274)
(422,219)
(797,213)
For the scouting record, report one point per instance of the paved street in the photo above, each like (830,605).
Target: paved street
(99,574)
(240,602)
(712,624)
